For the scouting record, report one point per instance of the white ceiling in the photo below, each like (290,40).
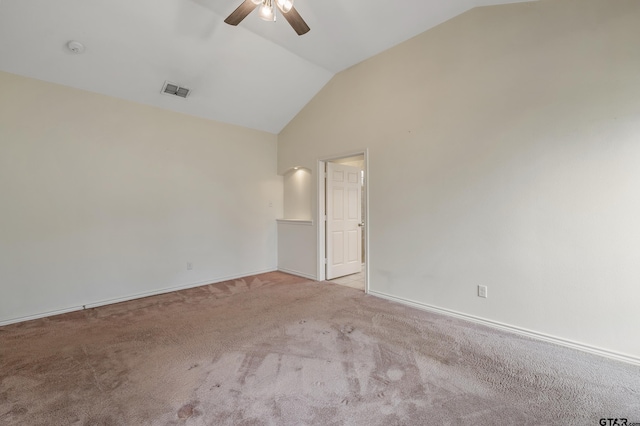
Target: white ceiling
(257,75)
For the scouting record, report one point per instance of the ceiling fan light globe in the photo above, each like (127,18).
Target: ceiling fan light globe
(285,5)
(266,12)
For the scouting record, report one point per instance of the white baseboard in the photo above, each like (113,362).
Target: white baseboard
(98,303)
(506,327)
(40,315)
(298,273)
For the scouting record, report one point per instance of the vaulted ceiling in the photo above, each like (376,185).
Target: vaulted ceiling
(257,75)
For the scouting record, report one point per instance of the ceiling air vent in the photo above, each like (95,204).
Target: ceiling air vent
(173,89)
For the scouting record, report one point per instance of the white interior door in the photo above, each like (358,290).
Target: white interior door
(344,227)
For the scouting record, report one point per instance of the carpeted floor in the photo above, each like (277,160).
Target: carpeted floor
(275,349)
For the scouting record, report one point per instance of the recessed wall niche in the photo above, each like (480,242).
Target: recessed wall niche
(297,190)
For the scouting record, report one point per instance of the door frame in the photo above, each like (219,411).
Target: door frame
(321,216)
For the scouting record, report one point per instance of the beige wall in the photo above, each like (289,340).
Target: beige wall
(296,247)
(503,151)
(104,199)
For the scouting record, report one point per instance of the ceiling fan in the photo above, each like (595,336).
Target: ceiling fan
(267,12)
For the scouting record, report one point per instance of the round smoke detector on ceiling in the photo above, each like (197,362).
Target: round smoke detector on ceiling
(75,46)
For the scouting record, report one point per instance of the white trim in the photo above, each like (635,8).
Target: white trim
(40,315)
(297,273)
(128,298)
(321,175)
(367,222)
(518,330)
(295,222)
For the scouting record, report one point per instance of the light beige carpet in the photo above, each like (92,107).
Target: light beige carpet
(280,350)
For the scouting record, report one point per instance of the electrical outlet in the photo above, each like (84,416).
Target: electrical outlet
(189,266)
(482,291)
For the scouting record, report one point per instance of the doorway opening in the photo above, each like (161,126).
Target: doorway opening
(343,212)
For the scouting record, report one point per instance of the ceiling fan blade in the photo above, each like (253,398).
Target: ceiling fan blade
(296,21)
(241,12)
